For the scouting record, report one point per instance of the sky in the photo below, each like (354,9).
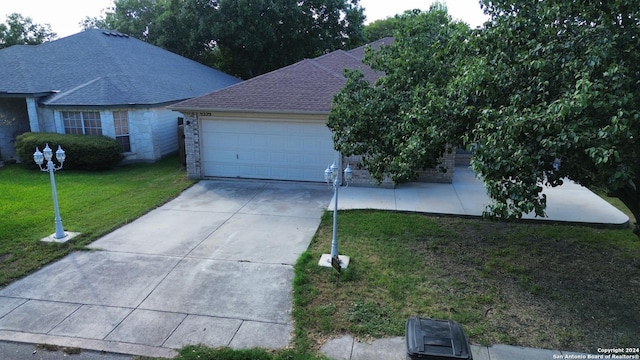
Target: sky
(65,16)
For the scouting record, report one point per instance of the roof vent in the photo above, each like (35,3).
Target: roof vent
(116,34)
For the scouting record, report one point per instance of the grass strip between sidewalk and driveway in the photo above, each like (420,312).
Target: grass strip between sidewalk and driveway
(92,203)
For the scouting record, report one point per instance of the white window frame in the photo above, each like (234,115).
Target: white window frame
(122,130)
(82,122)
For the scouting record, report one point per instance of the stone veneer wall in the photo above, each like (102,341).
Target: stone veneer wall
(192,146)
(443,173)
(362,177)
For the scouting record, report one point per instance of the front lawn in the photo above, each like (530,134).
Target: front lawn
(92,203)
(528,284)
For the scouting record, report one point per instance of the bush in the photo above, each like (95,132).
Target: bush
(84,152)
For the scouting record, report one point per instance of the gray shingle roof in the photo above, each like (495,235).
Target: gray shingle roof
(105,68)
(307,86)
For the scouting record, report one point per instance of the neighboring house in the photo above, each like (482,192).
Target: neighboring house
(274,126)
(100,82)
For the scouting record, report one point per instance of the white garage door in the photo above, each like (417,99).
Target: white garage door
(279,150)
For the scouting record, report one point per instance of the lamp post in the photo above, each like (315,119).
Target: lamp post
(332,177)
(50,167)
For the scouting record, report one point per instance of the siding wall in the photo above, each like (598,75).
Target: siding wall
(152,131)
(165,126)
(47,120)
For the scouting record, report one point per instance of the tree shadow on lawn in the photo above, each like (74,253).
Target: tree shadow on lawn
(528,284)
(560,287)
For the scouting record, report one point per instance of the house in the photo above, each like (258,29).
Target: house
(274,126)
(100,82)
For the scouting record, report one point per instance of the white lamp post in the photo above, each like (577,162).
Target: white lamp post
(332,177)
(50,167)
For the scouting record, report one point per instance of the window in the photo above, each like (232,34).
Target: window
(121,123)
(82,122)
(92,124)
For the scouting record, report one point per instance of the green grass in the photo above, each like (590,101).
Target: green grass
(617,203)
(527,284)
(199,352)
(92,203)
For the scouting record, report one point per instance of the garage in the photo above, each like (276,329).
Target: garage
(272,126)
(275,149)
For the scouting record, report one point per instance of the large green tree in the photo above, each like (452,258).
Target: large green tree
(406,121)
(560,99)
(547,91)
(241,37)
(20,30)
(381,28)
(257,36)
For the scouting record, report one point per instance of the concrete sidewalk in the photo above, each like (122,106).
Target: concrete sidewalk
(466,196)
(347,348)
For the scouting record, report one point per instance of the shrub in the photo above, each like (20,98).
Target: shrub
(84,152)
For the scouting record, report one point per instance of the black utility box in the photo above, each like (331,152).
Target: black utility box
(431,339)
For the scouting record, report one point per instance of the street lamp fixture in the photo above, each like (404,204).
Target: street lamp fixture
(332,177)
(50,167)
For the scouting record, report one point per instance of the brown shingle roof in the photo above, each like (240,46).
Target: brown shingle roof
(307,86)
(359,51)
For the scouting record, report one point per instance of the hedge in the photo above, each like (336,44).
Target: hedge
(84,152)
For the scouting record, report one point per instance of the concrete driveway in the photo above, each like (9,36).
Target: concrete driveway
(214,266)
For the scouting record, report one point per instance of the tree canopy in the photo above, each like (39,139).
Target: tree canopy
(258,36)
(559,84)
(546,91)
(20,30)
(180,26)
(244,38)
(405,122)
(381,28)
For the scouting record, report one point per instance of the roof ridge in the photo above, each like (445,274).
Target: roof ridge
(243,82)
(113,59)
(59,94)
(328,70)
(272,72)
(387,40)
(341,51)
(255,78)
